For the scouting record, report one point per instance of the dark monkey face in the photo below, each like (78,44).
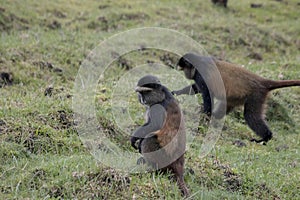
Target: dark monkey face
(151,97)
(150,90)
(188,69)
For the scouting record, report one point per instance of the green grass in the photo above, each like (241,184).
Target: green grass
(43,45)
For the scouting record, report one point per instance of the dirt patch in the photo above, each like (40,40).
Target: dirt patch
(45,65)
(56,192)
(124,63)
(31,139)
(103,20)
(109,176)
(121,61)
(105,184)
(264,192)
(133,16)
(48,91)
(58,92)
(41,139)
(62,119)
(54,25)
(6,78)
(255,56)
(58,14)
(220,2)
(116,21)
(101,7)
(112,131)
(2,126)
(38,176)
(256,5)
(102,23)
(282,147)
(169,59)
(2,122)
(233,182)
(36,142)
(9,21)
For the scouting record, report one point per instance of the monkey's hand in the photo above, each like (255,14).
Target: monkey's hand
(156,115)
(133,141)
(175,92)
(189,90)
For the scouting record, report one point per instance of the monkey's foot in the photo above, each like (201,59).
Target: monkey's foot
(263,142)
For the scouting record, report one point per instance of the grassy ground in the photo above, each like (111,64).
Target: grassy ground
(42,47)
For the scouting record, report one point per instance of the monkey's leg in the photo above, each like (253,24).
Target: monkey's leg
(141,160)
(207,102)
(253,113)
(177,168)
(140,145)
(189,90)
(220,109)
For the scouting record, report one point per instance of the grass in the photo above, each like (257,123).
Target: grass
(43,44)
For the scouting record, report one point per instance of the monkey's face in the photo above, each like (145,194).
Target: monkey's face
(150,91)
(188,69)
(189,72)
(150,94)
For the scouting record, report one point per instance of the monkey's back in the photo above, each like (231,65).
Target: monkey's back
(238,82)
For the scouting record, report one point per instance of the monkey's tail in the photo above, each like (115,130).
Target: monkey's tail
(271,85)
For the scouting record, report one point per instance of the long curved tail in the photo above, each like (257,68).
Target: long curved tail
(271,85)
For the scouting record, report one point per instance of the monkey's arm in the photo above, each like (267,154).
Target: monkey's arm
(157,114)
(190,90)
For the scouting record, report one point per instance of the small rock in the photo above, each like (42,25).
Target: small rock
(281,148)
(256,5)
(6,79)
(239,143)
(48,91)
(2,122)
(58,70)
(54,25)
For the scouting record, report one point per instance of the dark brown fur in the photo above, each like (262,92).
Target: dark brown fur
(241,84)
(242,88)
(220,2)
